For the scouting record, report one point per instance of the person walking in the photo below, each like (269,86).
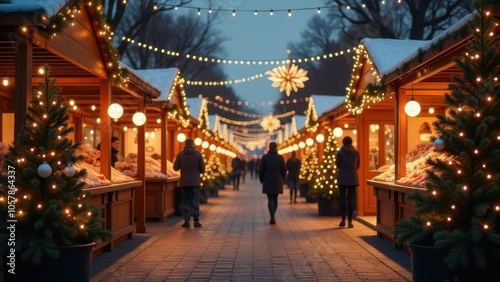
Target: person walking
(292,178)
(272,173)
(256,166)
(250,166)
(190,163)
(237,166)
(347,161)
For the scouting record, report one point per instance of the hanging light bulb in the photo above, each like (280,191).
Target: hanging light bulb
(41,70)
(309,142)
(197,141)
(319,138)
(431,110)
(5,81)
(181,137)
(338,132)
(115,110)
(412,108)
(139,118)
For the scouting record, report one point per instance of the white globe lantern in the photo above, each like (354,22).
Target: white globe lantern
(309,142)
(295,147)
(320,138)
(181,137)
(412,108)
(338,132)
(115,110)
(139,118)
(204,144)
(212,147)
(302,144)
(197,141)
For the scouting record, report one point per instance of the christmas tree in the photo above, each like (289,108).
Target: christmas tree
(208,177)
(50,207)
(309,167)
(459,211)
(326,176)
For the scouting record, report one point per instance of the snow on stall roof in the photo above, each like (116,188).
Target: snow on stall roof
(387,54)
(194,105)
(323,103)
(49,7)
(163,79)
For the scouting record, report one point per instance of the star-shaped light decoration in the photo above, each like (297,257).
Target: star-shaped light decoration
(288,77)
(270,123)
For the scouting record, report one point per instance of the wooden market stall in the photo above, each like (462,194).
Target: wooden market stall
(403,141)
(87,69)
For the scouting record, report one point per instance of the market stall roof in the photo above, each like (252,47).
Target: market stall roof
(163,79)
(323,103)
(79,56)
(425,65)
(49,7)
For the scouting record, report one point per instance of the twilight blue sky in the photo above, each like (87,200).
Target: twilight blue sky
(261,37)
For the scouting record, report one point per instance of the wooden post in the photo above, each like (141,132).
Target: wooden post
(23,87)
(140,196)
(105,147)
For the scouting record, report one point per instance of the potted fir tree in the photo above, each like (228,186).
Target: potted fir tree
(308,170)
(325,189)
(51,228)
(457,217)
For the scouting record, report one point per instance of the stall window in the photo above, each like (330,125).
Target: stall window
(381,146)
(389,144)
(91,135)
(373,140)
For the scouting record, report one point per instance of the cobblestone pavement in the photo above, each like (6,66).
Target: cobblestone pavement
(237,243)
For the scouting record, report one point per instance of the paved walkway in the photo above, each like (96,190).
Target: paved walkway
(236,243)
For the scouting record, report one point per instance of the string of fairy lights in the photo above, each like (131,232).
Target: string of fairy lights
(220,8)
(224,104)
(241,62)
(252,122)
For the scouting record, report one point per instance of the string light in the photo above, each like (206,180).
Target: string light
(247,62)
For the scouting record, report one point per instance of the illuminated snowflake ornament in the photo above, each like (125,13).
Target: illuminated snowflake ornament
(288,77)
(270,123)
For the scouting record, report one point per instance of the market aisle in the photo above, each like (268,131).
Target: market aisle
(236,243)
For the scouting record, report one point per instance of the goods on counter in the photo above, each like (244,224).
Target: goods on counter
(422,149)
(153,167)
(91,164)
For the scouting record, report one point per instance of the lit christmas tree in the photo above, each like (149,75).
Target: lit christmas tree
(326,176)
(207,178)
(50,206)
(460,209)
(309,167)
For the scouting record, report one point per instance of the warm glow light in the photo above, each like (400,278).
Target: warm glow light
(309,142)
(204,144)
(115,110)
(5,81)
(431,110)
(197,141)
(338,132)
(320,138)
(139,118)
(412,108)
(212,147)
(302,144)
(181,137)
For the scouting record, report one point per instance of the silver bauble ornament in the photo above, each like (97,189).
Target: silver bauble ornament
(439,144)
(44,170)
(69,170)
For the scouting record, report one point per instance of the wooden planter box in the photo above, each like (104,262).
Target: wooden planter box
(392,206)
(160,198)
(116,202)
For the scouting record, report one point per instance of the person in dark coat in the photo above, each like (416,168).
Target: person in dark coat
(272,173)
(347,161)
(250,166)
(237,166)
(190,163)
(292,178)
